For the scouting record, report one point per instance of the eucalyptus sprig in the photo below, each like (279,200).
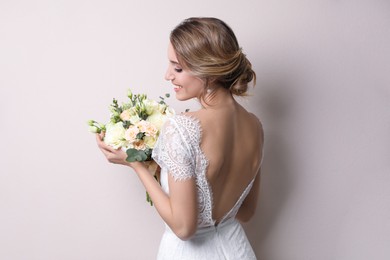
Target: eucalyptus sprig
(96,127)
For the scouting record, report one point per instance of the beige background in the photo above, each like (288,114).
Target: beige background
(323,95)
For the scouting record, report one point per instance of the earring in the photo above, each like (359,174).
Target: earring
(208,90)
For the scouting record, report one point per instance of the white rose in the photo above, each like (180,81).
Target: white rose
(115,135)
(150,106)
(150,141)
(157,119)
(134,119)
(162,108)
(170,111)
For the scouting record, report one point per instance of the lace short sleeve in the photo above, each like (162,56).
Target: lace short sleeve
(174,151)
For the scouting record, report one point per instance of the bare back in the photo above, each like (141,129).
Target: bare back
(232,141)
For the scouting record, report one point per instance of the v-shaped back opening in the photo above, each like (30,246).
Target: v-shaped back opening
(232,210)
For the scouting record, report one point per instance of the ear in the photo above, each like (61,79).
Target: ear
(209,81)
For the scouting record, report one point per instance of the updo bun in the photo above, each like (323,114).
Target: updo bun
(240,78)
(210,50)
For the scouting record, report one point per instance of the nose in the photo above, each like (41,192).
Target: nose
(169,75)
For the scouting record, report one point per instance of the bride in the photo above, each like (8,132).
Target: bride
(210,159)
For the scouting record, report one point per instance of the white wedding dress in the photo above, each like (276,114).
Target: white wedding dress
(178,151)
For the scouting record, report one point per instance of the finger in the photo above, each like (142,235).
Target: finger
(112,149)
(102,144)
(109,152)
(106,153)
(99,139)
(100,136)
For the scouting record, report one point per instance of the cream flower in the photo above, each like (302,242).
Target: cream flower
(115,135)
(139,145)
(150,106)
(131,133)
(134,119)
(169,112)
(125,115)
(157,119)
(148,128)
(133,111)
(162,108)
(150,141)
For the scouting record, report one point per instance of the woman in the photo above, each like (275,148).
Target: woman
(210,159)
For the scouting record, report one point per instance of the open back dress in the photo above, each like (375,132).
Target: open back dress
(178,153)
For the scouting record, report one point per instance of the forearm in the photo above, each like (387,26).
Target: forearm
(159,197)
(177,212)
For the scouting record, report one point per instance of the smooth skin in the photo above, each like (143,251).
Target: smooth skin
(232,141)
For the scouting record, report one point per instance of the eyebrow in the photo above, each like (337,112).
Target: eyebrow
(174,62)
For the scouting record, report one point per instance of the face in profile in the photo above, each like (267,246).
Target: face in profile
(186,85)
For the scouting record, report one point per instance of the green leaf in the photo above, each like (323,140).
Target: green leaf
(126,124)
(134,155)
(149,199)
(140,135)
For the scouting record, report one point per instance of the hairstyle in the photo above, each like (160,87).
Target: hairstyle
(209,49)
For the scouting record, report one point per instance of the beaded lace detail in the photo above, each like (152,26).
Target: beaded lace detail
(178,152)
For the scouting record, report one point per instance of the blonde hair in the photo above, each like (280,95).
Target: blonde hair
(209,49)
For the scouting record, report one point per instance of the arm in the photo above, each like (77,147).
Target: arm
(248,207)
(179,209)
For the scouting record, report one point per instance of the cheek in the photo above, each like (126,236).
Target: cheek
(199,84)
(191,82)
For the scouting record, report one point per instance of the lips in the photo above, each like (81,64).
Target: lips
(177,88)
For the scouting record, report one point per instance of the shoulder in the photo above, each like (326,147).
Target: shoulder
(187,125)
(256,121)
(250,118)
(251,124)
(257,125)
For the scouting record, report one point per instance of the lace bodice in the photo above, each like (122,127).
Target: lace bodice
(178,153)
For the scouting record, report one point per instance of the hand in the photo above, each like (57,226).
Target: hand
(117,156)
(153,168)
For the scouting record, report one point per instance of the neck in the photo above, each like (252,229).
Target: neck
(217,98)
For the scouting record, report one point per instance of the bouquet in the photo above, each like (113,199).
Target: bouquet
(134,126)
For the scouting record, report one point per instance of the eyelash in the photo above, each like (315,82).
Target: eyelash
(178,70)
